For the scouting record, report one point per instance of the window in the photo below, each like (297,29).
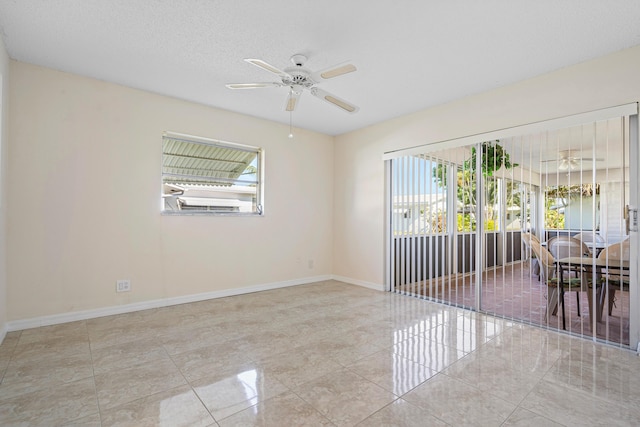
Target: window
(520,198)
(572,207)
(466,189)
(419,196)
(205,176)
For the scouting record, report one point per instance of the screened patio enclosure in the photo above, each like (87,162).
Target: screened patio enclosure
(461,216)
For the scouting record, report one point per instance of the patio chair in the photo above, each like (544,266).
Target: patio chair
(527,237)
(530,256)
(590,238)
(615,279)
(565,247)
(570,284)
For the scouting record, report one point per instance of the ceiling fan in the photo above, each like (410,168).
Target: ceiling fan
(567,161)
(297,79)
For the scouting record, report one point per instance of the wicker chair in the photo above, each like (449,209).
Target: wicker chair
(570,284)
(564,247)
(590,238)
(614,278)
(530,256)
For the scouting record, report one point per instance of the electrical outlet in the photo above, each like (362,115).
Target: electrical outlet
(123,285)
(310,264)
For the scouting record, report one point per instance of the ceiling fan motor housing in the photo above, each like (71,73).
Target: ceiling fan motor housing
(300,77)
(297,78)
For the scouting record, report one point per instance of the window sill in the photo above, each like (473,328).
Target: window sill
(213,214)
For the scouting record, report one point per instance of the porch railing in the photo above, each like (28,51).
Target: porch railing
(423,257)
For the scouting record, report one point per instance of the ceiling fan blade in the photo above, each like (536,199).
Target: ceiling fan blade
(573,159)
(268,67)
(252,85)
(335,71)
(292,100)
(332,99)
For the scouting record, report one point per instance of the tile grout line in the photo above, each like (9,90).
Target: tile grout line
(190,385)
(93,371)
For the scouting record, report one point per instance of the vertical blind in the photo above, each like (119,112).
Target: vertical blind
(461,216)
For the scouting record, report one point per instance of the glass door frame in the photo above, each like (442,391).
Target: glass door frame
(627,110)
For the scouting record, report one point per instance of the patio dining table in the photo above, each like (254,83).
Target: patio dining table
(589,265)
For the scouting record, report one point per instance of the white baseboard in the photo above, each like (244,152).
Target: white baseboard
(18,325)
(3,332)
(374,286)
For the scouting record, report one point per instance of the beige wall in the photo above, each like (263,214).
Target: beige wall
(4,119)
(85,170)
(359,170)
(84,186)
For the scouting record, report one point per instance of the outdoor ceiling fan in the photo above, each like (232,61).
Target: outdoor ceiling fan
(567,161)
(297,79)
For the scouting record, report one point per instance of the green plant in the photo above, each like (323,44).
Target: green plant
(494,156)
(466,222)
(572,191)
(552,218)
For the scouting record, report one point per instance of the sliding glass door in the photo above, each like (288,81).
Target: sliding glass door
(463,218)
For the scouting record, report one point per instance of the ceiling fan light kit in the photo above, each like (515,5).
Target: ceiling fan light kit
(297,79)
(568,161)
(568,164)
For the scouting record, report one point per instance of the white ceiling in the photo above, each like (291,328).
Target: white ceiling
(410,54)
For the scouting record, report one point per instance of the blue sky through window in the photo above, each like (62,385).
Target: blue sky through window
(414,175)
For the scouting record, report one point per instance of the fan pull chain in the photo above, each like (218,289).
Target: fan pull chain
(290,125)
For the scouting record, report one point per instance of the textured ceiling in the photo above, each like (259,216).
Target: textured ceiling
(410,54)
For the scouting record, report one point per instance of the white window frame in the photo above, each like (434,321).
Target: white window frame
(197,185)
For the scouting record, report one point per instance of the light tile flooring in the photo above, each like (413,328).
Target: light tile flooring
(513,292)
(324,354)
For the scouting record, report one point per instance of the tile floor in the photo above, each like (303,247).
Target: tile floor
(516,293)
(324,354)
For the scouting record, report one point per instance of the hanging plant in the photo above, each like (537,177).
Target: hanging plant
(573,191)
(494,156)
